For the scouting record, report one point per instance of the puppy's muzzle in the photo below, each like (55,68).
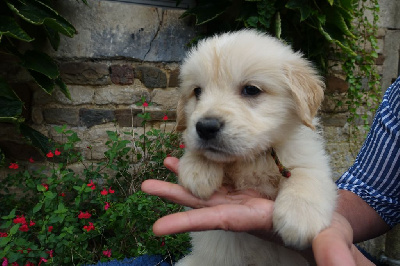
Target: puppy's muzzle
(208,128)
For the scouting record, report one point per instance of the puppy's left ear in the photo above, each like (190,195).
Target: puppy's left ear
(307,89)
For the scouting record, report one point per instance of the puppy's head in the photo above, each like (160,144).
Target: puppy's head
(242,92)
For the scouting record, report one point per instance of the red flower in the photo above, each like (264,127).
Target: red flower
(50,228)
(5,262)
(89,227)
(165,118)
(24,228)
(50,252)
(19,220)
(57,152)
(62,194)
(50,154)
(3,234)
(84,215)
(15,264)
(104,192)
(107,206)
(93,187)
(182,146)
(90,184)
(31,160)
(42,260)
(111,191)
(13,166)
(29,250)
(32,223)
(145,104)
(29,264)
(107,253)
(46,186)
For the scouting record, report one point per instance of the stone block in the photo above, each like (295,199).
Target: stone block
(128,117)
(165,98)
(158,115)
(113,29)
(335,120)
(92,117)
(335,84)
(122,74)
(60,116)
(85,73)
(121,94)
(152,77)
(37,115)
(79,95)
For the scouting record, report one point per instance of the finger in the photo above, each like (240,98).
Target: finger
(172,164)
(172,192)
(178,194)
(255,214)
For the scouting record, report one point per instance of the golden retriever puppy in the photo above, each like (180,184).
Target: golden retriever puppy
(247,110)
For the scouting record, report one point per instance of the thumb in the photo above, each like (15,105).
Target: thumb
(172,164)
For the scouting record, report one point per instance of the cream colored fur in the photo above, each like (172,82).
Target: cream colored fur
(280,116)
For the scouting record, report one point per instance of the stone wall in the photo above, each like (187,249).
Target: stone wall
(124,52)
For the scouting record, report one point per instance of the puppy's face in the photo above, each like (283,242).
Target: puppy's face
(241,93)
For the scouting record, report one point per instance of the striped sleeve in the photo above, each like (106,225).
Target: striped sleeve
(375,175)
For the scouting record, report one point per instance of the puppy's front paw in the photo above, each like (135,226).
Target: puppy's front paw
(200,176)
(298,221)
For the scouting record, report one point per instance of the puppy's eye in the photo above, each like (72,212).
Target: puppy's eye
(250,90)
(197,92)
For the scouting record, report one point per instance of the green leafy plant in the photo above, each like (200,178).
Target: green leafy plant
(25,26)
(65,217)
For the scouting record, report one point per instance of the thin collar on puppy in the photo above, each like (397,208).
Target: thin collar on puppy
(282,169)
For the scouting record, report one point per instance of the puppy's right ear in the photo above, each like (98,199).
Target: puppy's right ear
(180,115)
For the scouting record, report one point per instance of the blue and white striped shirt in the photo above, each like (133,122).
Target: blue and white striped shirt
(375,175)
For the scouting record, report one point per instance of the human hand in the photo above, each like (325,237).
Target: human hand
(334,245)
(247,211)
(244,211)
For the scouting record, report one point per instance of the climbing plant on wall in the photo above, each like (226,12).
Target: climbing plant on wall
(25,27)
(345,29)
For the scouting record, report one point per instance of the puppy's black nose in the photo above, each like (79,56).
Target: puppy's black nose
(208,128)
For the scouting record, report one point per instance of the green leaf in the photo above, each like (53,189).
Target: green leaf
(41,63)
(47,84)
(5,240)
(302,6)
(38,139)
(37,13)
(53,36)
(207,10)
(10,104)
(10,216)
(37,207)
(63,87)
(335,18)
(9,27)
(14,229)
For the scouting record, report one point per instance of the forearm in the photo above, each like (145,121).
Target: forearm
(364,220)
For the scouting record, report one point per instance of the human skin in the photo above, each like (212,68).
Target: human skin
(247,211)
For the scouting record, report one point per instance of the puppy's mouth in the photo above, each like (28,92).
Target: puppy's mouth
(217,153)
